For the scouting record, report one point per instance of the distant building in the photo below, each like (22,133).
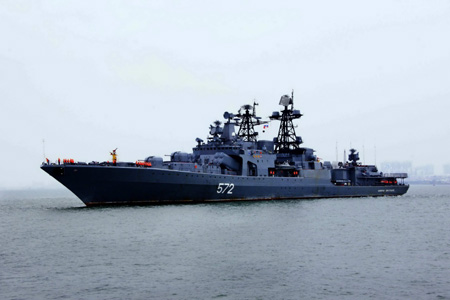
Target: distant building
(396,167)
(427,170)
(446,168)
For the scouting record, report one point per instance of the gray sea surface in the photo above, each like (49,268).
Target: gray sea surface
(52,247)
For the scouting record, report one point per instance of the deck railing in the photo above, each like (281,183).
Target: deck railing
(396,175)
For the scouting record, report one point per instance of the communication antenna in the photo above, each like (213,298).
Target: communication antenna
(337,152)
(364,155)
(375,150)
(254,107)
(43,148)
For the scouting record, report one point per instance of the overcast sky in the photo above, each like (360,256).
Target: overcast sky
(148,77)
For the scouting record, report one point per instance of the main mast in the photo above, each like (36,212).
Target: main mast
(287,140)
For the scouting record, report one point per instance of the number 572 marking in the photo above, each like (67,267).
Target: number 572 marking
(223,188)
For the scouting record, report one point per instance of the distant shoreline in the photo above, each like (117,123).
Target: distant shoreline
(428,183)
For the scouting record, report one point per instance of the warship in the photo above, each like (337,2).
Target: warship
(229,166)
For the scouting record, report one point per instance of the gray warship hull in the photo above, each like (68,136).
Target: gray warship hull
(114,185)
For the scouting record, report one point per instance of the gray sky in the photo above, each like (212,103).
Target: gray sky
(149,77)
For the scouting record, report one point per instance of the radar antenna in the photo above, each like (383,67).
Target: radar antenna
(215,130)
(353,156)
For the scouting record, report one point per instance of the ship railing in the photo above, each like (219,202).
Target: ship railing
(396,175)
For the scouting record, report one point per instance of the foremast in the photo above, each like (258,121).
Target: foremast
(248,120)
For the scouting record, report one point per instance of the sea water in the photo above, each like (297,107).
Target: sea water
(52,247)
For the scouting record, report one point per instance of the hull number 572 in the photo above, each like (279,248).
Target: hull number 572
(223,188)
